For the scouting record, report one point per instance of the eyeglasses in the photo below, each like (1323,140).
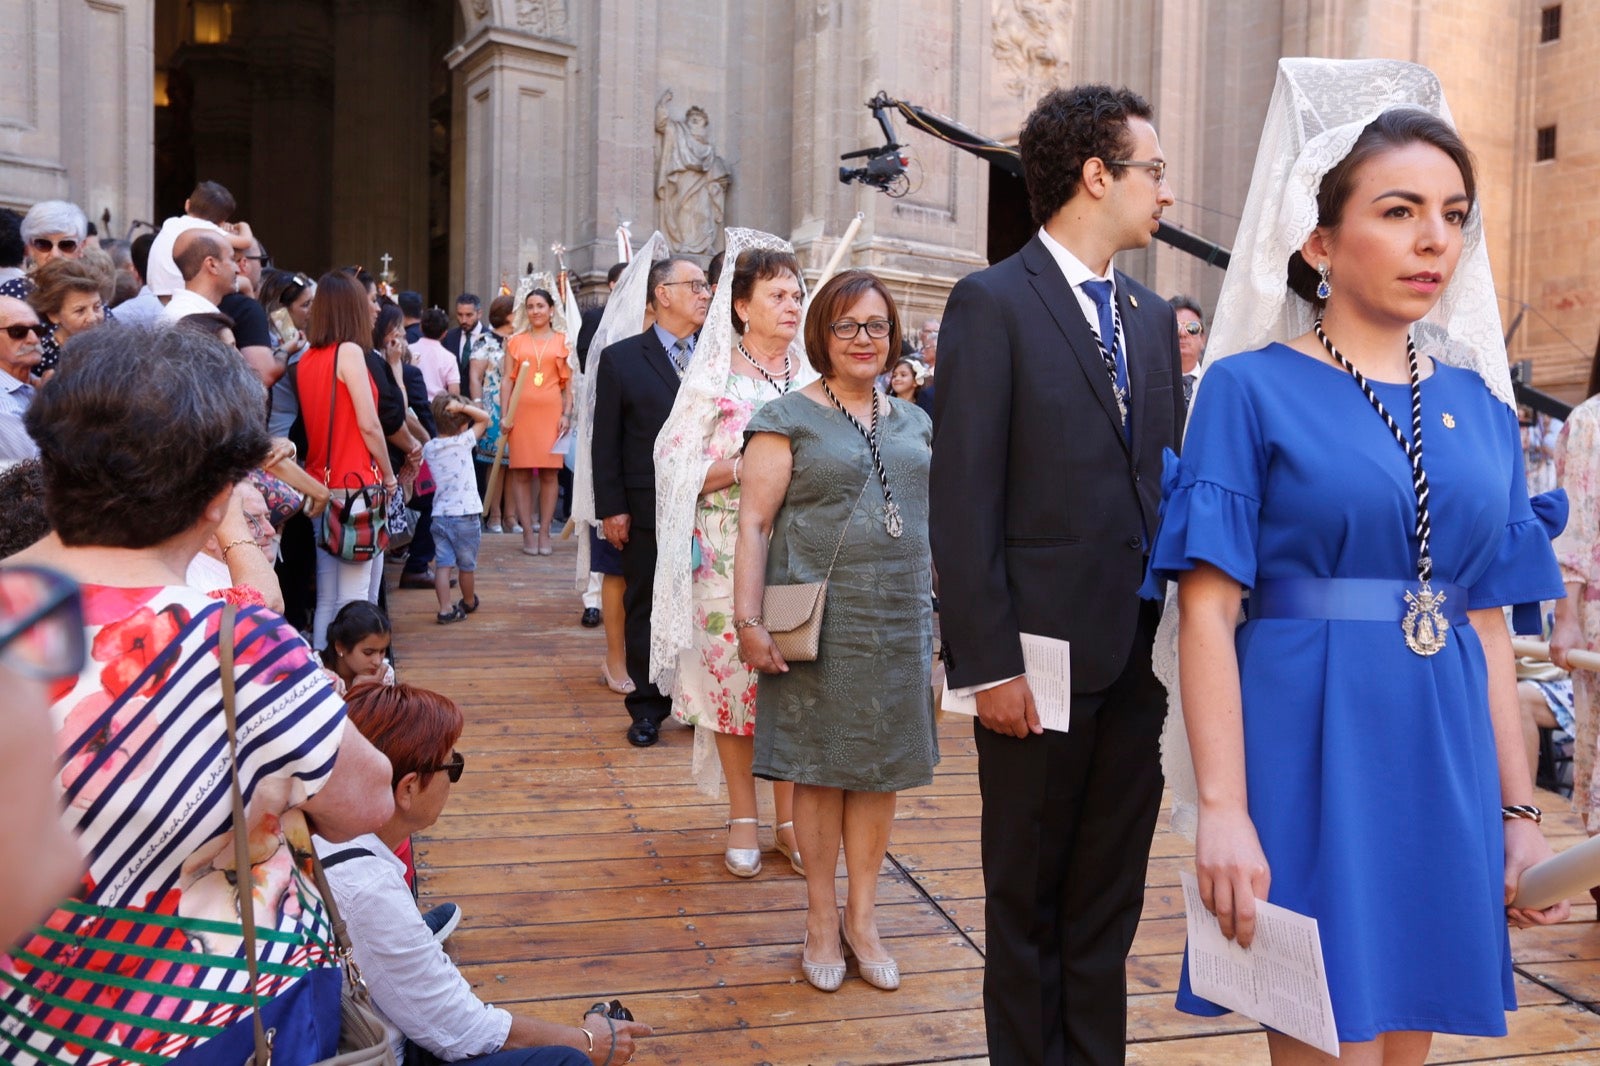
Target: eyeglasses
(1193,329)
(292,291)
(452,769)
(19,332)
(1157,168)
(846,329)
(43,245)
(264,260)
(697,286)
(41,623)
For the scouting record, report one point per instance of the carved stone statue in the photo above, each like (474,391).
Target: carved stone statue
(691,179)
(1033,41)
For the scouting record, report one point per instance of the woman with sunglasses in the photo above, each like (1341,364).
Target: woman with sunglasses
(143,760)
(837,476)
(413,982)
(52,229)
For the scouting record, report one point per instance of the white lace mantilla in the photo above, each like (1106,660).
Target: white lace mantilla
(681,464)
(1319,107)
(623,318)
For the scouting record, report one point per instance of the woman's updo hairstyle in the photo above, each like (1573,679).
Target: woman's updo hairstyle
(1395,128)
(759,264)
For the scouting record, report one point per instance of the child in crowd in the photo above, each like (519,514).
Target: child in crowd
(358,643)
(457,506)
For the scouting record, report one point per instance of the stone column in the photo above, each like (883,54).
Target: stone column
(380,137)
(512,192)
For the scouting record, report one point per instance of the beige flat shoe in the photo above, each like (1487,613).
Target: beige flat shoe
(792,853)
(825,976)
(884,975)
(742,862)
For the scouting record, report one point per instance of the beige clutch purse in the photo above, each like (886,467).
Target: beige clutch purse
(793,613)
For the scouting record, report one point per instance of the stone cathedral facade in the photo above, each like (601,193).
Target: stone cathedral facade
(462,138)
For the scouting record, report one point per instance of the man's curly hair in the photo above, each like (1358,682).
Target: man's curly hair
(1068,128)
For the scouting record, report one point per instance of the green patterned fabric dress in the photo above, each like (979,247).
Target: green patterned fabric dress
(861,716)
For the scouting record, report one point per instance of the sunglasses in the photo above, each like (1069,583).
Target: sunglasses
(1193,329)
(18,333)
(452,769)
(41,623)
(43,245)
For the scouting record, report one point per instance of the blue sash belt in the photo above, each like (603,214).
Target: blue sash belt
(1347,599)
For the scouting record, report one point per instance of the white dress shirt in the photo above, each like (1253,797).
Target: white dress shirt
(412,981)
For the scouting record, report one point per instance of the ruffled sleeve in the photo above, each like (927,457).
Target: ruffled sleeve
(1578,472)
(1524,569)
(1211,498)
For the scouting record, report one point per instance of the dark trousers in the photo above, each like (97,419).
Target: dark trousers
(417,1055)
(645,703)
(420,552)
(297,571)
(1067,822)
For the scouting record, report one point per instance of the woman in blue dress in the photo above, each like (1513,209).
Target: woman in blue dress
(1355,740)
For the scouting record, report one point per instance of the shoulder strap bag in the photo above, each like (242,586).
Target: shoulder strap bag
(356,528)
(363,1032)
(793,613)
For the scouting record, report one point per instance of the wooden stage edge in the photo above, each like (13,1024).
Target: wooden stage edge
(588,869)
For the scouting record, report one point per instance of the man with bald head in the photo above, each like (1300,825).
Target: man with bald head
(209,273)
(19,358)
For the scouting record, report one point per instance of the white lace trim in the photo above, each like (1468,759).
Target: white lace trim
(623,318)
(681,464)
(1319,107)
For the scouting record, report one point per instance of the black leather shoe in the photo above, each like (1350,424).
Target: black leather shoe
(591,617)
(643,734)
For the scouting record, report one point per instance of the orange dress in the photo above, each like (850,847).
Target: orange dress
(533,432)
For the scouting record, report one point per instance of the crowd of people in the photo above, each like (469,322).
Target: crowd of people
(775,489)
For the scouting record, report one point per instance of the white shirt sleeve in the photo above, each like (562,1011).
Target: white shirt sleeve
(412,980)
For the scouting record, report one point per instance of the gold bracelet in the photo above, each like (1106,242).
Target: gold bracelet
(590,1035)
(226,548)
(749,623)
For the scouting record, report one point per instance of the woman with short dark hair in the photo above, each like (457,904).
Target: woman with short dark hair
(144,755)
(346,452)
(750,355)
(836,475)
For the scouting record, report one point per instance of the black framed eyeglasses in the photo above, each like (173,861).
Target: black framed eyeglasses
(264,260)
(696,286)
(846,328)
(41,623)
(20,332)
(44,245)
(1193,329)
(452,769)
(1156,167)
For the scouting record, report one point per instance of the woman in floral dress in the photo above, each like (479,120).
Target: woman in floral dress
(714,690)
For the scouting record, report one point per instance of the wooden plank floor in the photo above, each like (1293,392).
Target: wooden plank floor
(588,868)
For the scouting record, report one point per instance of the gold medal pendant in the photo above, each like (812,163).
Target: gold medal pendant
(538,378)
(1424,625)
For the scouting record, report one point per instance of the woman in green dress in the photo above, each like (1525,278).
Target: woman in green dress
(839,469)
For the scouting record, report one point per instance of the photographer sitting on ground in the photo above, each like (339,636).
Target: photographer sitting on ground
(412,980)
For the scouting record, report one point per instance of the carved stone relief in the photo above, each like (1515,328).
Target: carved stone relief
(543,18)
(1033,42)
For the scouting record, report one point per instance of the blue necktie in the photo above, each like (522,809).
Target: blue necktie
(1110,347)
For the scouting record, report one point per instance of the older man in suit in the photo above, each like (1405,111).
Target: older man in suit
(637,384)
(1058,390)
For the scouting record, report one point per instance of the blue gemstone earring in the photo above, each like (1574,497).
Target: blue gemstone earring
(1324,290)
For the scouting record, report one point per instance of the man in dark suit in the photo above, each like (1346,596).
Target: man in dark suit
(637,383)
(1059,392)
(469,324)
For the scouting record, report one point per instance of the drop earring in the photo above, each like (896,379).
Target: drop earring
(1324,290)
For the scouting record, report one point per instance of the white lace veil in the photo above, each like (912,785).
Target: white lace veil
(623,318)
(681,464)
(1318,109)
